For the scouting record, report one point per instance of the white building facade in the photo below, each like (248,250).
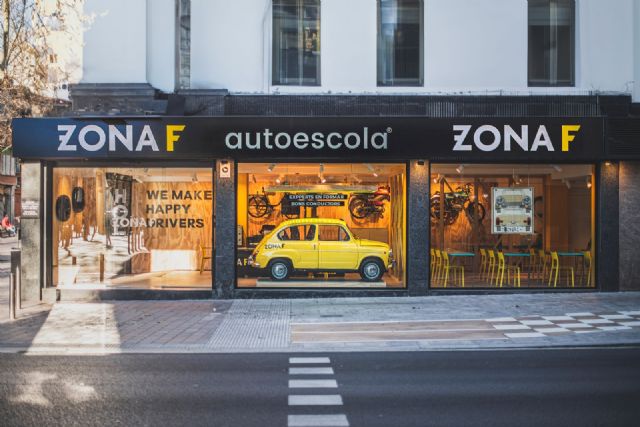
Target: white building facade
(484,145)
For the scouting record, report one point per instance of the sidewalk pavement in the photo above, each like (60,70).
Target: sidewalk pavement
(322,325)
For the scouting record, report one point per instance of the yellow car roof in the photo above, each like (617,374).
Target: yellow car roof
(304,221)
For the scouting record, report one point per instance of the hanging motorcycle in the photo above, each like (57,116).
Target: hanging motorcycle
(365,205)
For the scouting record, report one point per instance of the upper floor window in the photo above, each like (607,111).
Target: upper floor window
(296,42)
(400,36)
(551,42)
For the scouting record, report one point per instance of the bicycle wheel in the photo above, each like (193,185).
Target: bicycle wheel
(258,206)
(358,207)
(471,211)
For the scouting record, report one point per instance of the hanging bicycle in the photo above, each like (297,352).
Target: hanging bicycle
(260,206)
(456,201)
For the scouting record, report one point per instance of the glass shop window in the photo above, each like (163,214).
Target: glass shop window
(296,42)
(321,225)
(132,227)
(551,42)
(512,226)
(400,42)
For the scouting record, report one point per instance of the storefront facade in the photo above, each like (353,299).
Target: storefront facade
(308,206)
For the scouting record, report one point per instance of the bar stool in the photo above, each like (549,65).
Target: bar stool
(457,271)
(556,268)
(204,256)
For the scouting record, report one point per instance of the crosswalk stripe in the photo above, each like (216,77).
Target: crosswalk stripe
(331,420)
(315,399)
(525,335)
(308,360)
(311,371)
(313,384)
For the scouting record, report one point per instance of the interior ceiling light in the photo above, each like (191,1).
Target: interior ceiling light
(437,179)
(271,167)
(279,179)
(567,183)
(372,170)
(460,169)
(556,168)
(254,179)
(588,182)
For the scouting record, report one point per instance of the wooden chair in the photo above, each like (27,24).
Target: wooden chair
(204,256)
(556,268)
(457,271)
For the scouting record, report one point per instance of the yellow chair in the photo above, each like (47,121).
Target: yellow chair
(483,263)
(204,256)
(586,267)
(432,262)
(437,266)
(457,271)
(556,268)
(491,266)
(543,263)
(533,261)
(510,269)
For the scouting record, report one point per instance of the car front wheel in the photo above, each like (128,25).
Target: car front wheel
(371,270)
(280,270)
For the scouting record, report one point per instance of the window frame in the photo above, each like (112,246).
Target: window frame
(277,80)
(572,47)
(420,80)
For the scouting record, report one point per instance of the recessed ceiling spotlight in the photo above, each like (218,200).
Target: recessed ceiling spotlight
(271,167)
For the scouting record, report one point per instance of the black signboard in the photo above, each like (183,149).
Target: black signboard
(314,200)
(343,138)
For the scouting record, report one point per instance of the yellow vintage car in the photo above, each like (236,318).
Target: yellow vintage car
(320,245)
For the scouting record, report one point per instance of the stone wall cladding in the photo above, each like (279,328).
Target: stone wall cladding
(629,225)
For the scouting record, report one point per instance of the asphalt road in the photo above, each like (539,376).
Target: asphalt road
(570,387)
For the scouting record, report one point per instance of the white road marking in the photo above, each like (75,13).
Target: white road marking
(311,371)
(616,317)
(613,328)
(596,321)
(634,323)
(524,335)
(313,384)
(551,330)
(332,420)
(575,325)
(558,318)
(315,399)
(308,360)
(630,313)
(502,319)
(587,332)
(511,327)
(536,322)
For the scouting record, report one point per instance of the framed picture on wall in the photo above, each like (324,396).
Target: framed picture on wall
(512,210)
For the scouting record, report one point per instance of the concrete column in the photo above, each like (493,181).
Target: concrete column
(418,228)
(608,228)
(224,242)
(629,223)
(31,234)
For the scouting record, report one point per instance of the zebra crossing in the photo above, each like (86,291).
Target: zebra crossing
(313,398)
